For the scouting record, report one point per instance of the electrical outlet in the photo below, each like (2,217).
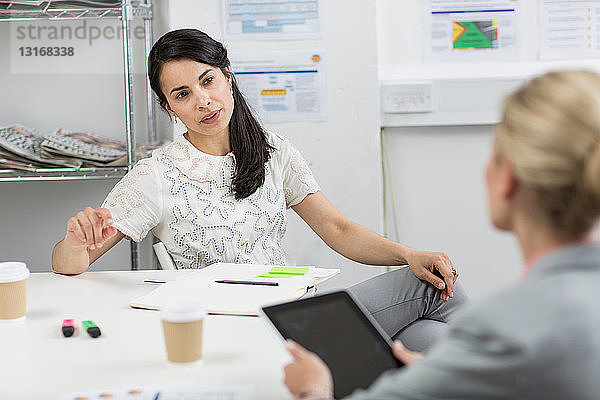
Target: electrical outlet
(406,97)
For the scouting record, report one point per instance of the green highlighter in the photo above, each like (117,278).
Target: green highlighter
(91,328)
(285,272)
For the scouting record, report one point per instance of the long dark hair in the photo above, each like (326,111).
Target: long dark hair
(247,137)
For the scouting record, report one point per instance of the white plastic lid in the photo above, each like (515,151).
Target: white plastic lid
(13,271)
(182,311)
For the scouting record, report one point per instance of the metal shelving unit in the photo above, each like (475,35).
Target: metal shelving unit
(140,9)
(126,11)
(62,174)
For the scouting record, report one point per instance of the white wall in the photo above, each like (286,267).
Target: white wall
(343,152)
(435,187)
(439,199)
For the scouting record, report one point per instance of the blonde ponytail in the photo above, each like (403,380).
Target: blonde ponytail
(551,132)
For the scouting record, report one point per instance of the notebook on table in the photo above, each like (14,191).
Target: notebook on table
(236,299)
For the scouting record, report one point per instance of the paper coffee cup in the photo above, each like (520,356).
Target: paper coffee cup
(182,326)
(13,290)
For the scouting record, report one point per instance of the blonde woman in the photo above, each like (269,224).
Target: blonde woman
(541,338)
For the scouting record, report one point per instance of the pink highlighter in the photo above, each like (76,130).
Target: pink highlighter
(68,327)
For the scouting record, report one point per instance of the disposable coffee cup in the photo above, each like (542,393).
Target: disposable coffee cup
(182,326)
(13,291)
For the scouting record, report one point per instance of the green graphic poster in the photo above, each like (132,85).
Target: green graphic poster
(475,34)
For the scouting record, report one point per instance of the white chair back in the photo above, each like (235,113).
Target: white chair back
(164,258)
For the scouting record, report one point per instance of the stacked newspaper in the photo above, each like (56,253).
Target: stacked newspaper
(90,149)
(26,149)
(26,2)
(21,148)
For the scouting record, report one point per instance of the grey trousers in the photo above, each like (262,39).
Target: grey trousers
(407,308)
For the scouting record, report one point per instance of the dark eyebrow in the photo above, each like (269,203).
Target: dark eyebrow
(204,73)
(185,87)
(178,88)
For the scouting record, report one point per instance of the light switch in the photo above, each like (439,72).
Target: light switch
(406,97)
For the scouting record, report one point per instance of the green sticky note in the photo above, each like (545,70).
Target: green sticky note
(271,275)
(284,272)
(289,270)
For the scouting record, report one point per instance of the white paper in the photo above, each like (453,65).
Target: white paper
(481,30)
(283,86)
(231,299)
(178,390)
(272,20)
(569,29)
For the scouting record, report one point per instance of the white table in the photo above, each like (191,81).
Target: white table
(38,362)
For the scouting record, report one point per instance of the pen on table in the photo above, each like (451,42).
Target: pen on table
(260,283)
(153,281)
(156,396)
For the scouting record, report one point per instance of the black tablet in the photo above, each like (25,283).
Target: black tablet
(337,328)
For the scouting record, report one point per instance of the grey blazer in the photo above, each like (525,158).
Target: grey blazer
(538,340)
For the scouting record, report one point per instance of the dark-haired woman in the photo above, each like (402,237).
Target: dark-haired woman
(220,192)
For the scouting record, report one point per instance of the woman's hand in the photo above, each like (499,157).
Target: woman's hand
(424,264)
(90,227)
(307,375)
(403,354)
(89,235)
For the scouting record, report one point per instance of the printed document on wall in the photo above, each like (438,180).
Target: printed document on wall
(569,29)
(283,86)
(462,31)
(272,19)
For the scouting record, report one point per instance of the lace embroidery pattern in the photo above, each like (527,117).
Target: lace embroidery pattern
(288,195)
(221,187)
(201,222)
(199,168)
(126,195)
(144,229)
(208,225)
(300,167)
(177,151)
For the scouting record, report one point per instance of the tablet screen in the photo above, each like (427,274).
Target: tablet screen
(334,327)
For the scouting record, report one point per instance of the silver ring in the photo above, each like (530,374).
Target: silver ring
(454,272)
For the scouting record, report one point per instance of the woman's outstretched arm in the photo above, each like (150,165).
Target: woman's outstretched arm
(362,245)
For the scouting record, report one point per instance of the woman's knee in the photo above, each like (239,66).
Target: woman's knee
(446,309)
(460,295)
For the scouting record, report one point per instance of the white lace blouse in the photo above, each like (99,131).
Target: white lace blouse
(184,196)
